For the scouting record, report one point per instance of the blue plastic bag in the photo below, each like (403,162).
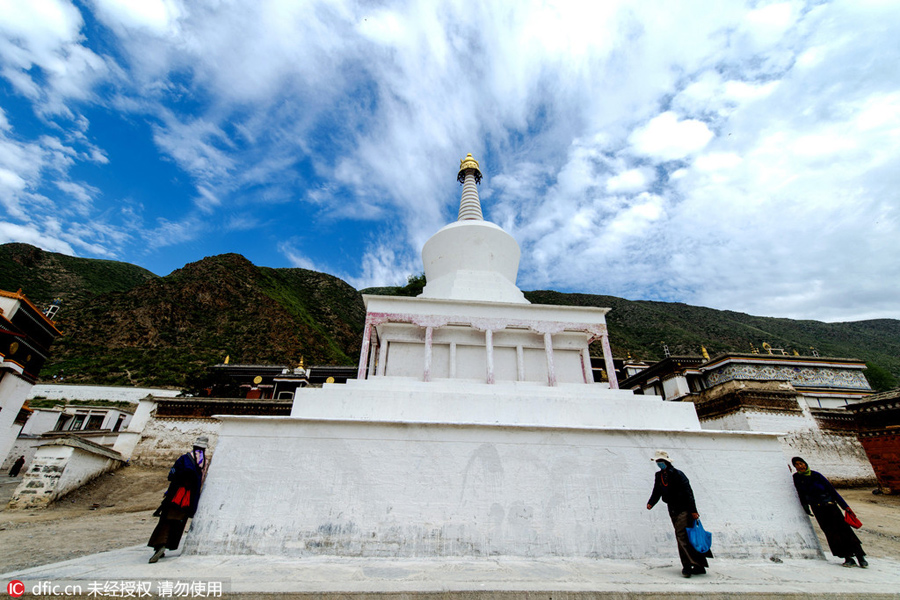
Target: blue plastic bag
(700,538)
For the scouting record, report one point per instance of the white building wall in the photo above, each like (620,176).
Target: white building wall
(131,435)
(41,421)
(736,421)
(840,457)
(13,390)
(771,421)
(22,447)
(82,467)
(112,417)
(97,392)
(521,403)
(675,387)
(430,490)
(57,470)
(405,356)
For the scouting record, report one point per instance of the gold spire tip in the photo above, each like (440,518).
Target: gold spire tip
(465,165)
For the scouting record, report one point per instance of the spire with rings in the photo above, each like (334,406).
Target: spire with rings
(469,175)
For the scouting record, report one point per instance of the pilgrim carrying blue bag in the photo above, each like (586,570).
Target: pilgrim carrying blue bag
(700,538)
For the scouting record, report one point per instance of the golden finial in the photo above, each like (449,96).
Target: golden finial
(227,358)
(704,353)
(468,163)
(301,363)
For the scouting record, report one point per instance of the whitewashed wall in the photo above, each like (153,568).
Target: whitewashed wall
(303,487)
(676,387)
(82,467)
(163,440)
(40,421)
(97,392)
(13,390)
(746,420)
(57,470)
(23,447)
(840,457)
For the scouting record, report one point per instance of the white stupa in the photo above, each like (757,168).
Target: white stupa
(475,428)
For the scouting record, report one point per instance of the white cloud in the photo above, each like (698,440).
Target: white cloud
(666,137)
(296,258)
(46,34)
(782,117)
(83,194)
(382,266)
(12,232)
(171,233)
(157,16)
(716,161)
(766,25)
(630,181)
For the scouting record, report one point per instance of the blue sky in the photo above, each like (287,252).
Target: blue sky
(737,156)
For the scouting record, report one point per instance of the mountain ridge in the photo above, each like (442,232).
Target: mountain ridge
(123,325)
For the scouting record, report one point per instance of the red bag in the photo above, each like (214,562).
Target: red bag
(182,497)
(851,519)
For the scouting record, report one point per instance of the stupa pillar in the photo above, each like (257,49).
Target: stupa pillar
(551,368)
(489,354)
(364,351)
(429,334)
(586,365)
(608,360)
(452,360)
(520,363)
(382,359)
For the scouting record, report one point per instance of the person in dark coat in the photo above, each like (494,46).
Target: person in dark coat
(817,493)
(180,502)
(17,466)
(673,487)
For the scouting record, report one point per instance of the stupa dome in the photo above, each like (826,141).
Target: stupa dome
(472,259)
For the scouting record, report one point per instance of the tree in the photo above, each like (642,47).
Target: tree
(879,378)
(414,285)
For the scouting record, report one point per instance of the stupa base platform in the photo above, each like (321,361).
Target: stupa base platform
(303,488)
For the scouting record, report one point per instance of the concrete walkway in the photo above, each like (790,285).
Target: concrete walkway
(389,579)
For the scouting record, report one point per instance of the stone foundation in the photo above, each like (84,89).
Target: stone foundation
(60,467)
(164,439)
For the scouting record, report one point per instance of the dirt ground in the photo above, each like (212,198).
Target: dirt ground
(115,511)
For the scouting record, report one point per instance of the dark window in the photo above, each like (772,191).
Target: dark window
(95,422)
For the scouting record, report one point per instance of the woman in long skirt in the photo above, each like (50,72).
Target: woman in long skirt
(817,493)
(180,502)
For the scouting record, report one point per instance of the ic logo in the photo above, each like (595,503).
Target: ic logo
(15,588)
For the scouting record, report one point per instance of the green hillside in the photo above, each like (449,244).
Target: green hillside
(123,325)
(44,275)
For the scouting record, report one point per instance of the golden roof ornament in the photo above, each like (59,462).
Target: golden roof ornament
(466,164)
